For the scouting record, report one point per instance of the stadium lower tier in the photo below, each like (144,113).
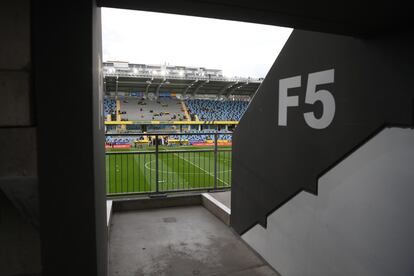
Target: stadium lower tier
(192,137)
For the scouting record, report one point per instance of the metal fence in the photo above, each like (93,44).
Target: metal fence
(162,163)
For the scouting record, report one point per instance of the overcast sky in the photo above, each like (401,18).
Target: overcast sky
(238,48)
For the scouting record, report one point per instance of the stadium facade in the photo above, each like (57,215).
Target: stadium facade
(141,98)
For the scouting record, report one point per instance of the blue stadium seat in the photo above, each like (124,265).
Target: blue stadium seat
(216,110)
(109,106)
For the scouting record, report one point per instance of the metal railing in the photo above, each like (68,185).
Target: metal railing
(162,163)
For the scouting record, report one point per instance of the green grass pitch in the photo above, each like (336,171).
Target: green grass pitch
(134,171)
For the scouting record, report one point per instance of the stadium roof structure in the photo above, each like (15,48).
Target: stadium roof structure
(187,81)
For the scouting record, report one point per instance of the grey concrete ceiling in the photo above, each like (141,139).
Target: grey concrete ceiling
(351,17)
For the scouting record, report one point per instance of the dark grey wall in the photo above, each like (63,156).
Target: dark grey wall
(371,88)
(351,17)
(71,172)
(19,239)
(358,221)
(19,236)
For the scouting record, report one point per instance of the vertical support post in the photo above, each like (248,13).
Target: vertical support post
(156,164)
(86,182)
(215,159)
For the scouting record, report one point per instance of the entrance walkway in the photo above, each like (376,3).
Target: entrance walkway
(179,241)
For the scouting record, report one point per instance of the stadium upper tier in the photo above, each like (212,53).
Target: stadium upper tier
(162,109)
(123,77)
(215,110)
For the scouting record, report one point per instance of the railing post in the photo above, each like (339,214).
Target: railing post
(215,160)
(156,164)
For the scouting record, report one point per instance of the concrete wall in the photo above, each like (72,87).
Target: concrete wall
(37,36)
(360,223)
(70,138)
(19,238)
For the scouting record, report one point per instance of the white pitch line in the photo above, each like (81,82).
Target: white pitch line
(172,172)
(227,184)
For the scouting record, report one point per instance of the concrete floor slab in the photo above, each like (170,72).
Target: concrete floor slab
(178,241)
(263,270)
